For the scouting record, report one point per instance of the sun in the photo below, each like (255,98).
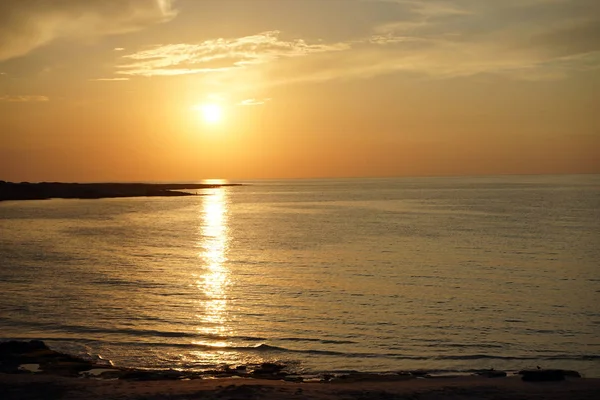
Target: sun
(211,113)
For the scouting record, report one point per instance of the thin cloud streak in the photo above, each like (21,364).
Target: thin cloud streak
(253,102)
(23,99)
(219,55)
(109,79)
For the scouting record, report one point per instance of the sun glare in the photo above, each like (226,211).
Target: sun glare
(211,113)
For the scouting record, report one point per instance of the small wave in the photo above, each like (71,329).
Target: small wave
(263,347)
(149,333)
(465,345)
(557,357)
(269,351)
(589,357)
(110,281)
(482,357)
(130,332)
(324,341)
(72,331)
(267,348)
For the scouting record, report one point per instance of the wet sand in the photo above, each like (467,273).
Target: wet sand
(39,386)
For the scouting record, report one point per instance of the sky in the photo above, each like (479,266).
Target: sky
(184,90)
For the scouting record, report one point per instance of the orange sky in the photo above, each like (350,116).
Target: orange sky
(112,90)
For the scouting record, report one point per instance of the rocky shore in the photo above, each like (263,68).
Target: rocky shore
(49,190)
(31,370)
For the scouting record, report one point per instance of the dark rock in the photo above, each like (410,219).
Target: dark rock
(571,373)
(293,378)
(220,373)
(326,377)
(15,353)
(268,367)
(542,375)
(171,374)
(269,370)
(260,375)
(419,373)
(14,347)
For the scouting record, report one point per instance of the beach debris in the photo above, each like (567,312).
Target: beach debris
(546,375)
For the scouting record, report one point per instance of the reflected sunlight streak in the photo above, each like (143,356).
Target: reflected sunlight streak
(214,280)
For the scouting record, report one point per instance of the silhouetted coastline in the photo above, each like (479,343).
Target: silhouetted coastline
(49,190)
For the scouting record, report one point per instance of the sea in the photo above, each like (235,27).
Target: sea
(442,274)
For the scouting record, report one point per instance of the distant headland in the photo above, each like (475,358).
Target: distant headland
(50,190)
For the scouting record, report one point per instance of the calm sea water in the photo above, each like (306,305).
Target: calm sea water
(445,274)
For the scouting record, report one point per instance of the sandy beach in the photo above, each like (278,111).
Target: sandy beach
(30,387)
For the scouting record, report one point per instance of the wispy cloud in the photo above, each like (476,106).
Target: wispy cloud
(525,39)
(521,39)
(23,99)
(462,37)
(253,102)
(109,79)
(419,9)
(220,54)
(28,24)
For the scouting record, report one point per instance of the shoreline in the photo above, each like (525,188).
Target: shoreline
(10,191)
(31,370)
(29,386)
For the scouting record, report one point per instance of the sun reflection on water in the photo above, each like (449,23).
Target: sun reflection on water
(214,278)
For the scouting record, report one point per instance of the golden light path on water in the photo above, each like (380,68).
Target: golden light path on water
(213,279)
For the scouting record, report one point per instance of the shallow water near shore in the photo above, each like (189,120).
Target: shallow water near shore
(442,274)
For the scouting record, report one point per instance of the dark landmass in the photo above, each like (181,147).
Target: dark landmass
(31,370)
(49,190)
